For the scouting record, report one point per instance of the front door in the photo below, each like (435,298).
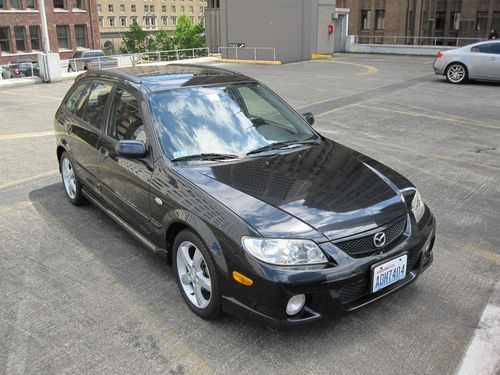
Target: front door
(125,181)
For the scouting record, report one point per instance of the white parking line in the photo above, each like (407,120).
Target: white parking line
(483,355)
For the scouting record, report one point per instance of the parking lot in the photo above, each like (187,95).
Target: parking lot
(79,295)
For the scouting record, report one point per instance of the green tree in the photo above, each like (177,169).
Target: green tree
(134,40)
(161,41)
(187,34)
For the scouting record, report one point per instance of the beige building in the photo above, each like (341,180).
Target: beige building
(116,16)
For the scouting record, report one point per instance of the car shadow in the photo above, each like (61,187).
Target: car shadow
(135,267)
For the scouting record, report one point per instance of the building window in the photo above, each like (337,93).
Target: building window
(164,9)
(20,38)
(30,4)
(455,21)
(173,8)
(99,8)
(164,21)
(59,4)
(78,4)
(496,21)
(81,36)
(146,8)
(123,21)
(379,19)
(482,21)
(15,4)
(35,37)
(192,18)
(201,9)
(191,9)
(5,39)
(111,21)
(152,8)
(122,8)
(174,20)
(440,20)
(101,21)
(110,8)
(365,20)
(63,41)
(134,20)
(182,8)
(133,8)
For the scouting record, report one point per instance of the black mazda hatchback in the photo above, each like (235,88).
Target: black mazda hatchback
(258,213)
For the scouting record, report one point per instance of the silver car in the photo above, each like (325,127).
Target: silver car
(479,61)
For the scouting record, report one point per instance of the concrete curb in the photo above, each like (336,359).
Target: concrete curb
(256,62)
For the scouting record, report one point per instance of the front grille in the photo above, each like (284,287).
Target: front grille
(364,246)
(361,288)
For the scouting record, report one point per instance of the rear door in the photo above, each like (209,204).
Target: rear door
(82,117)
(493,64)
(125,181)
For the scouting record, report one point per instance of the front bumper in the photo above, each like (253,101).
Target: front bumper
(330,291)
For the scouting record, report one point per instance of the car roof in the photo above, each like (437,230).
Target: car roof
(172,76)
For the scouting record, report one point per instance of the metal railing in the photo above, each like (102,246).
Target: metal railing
(415,40)
(247,53)
(127,60)
(19,70)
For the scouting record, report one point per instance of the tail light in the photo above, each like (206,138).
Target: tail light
(439,55)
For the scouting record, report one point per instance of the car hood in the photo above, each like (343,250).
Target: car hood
(327,188)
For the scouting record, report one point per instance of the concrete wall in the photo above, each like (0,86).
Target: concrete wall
(393,49)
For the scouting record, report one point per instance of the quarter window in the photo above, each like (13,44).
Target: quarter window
(126,119)
(97,103)
(73,103)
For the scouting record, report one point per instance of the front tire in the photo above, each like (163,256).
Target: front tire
(456,73)
(196,275)
(71,183)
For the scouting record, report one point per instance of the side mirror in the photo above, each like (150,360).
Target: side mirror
(309,117)
(131,149)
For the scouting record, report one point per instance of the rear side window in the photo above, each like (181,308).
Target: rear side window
(96,103)
(77,97)
(484,48)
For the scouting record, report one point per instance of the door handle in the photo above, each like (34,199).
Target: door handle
(104,153)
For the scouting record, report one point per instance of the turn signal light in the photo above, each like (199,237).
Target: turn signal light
(242,279)
(439,55)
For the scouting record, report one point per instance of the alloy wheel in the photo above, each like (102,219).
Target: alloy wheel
(194,274)
(69,178)
(456,73)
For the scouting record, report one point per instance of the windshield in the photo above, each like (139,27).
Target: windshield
(232,120)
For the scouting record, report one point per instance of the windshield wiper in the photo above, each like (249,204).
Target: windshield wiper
(207,156)
(278,145)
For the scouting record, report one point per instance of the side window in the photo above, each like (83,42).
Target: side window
(73,101)
(483,48)
(96,103)
(125,122)
(495,48)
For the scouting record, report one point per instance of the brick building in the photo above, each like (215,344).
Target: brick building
(116,16)
(72,25)
(422,18)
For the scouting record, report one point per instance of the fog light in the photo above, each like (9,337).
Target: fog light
(295,304)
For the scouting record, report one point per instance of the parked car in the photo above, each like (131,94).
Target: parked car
(259,214)
(479,61)
(84,60)
(21,68)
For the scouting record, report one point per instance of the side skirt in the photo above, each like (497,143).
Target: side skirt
(131,230)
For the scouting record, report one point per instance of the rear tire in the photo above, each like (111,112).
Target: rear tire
(196,275)
(456,73)
(71,182)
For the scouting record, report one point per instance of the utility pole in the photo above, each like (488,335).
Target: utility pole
(44,27)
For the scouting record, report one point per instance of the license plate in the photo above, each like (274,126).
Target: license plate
(389,273)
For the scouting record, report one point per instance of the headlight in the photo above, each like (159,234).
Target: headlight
(284,252)
(417,206)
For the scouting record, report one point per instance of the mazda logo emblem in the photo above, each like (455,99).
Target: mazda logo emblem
(379,239)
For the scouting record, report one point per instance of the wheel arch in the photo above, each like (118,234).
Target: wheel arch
(178,220)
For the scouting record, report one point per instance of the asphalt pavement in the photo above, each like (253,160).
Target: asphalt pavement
(79,295)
